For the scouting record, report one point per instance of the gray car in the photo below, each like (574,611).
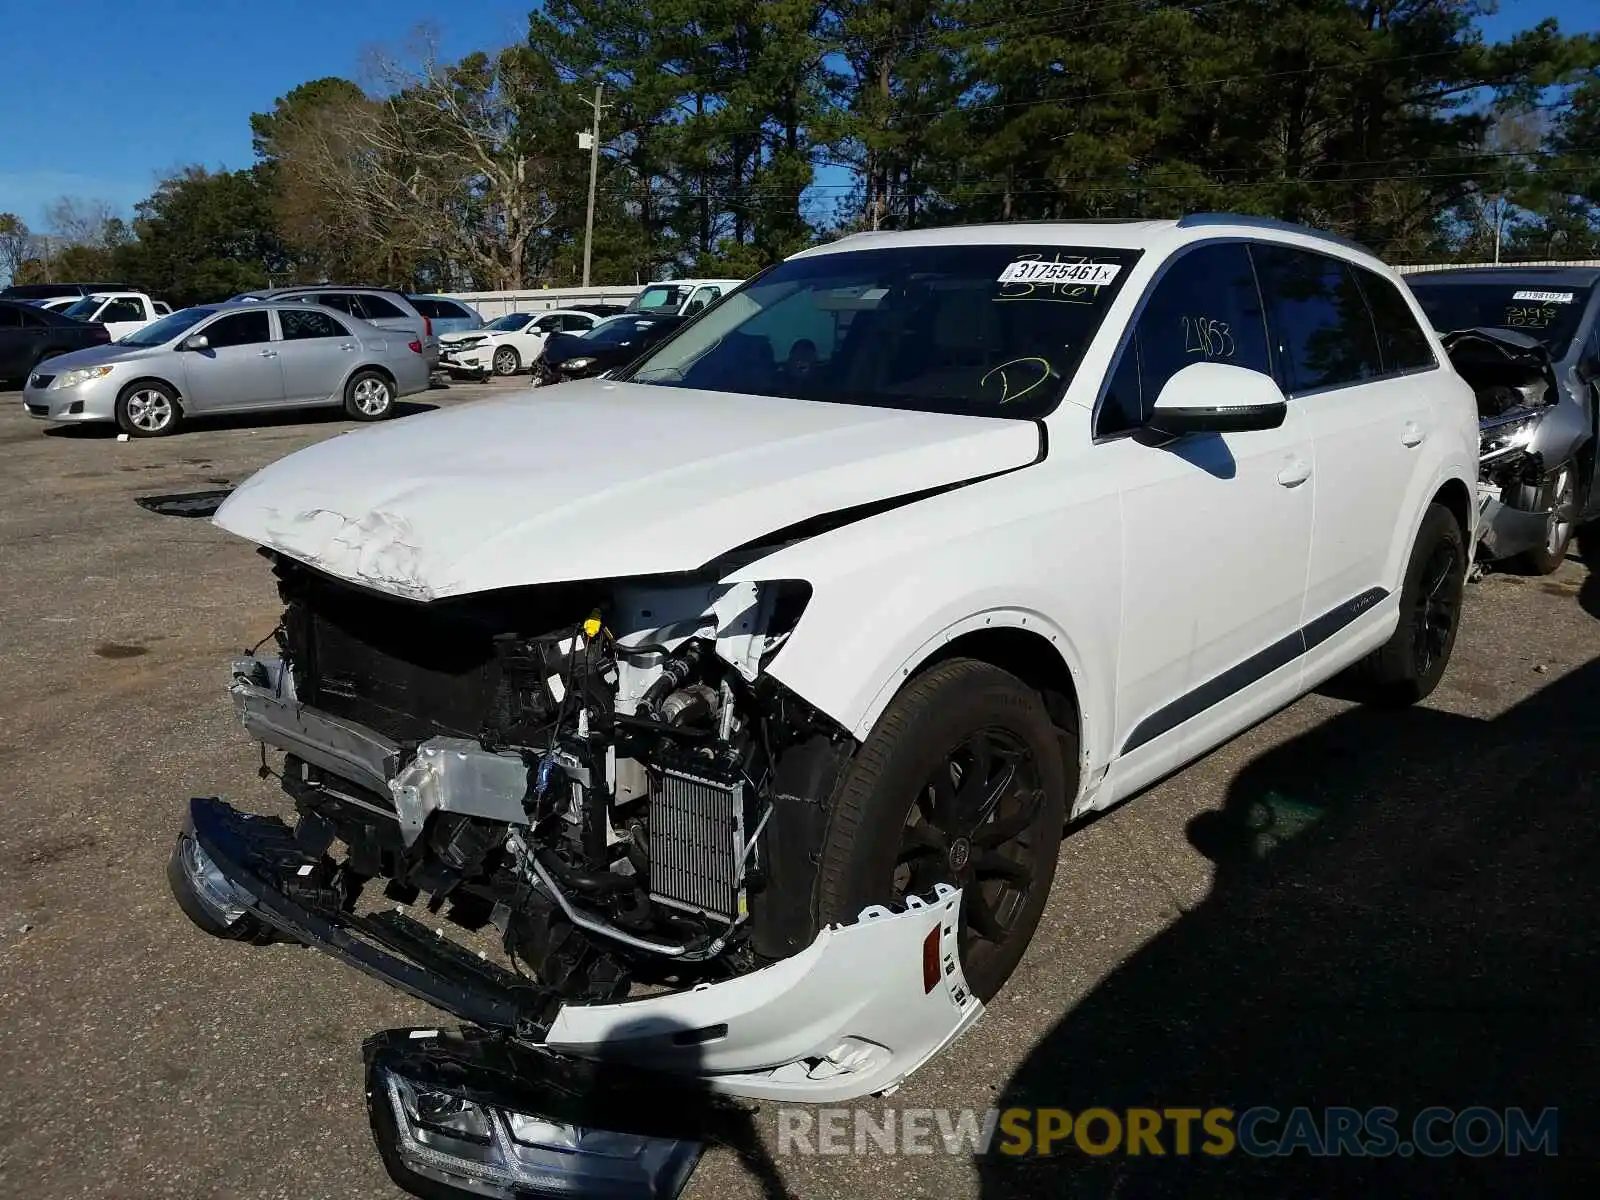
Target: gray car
(231,358)
(376,306)
(1528,341)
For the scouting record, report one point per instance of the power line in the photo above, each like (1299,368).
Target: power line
(1136,177)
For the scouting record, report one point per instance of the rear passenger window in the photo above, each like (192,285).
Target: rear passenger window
(309,324)
(343,303)
(575,324)
(1323,332)
(1401,342)
(1204,308)
(376,308)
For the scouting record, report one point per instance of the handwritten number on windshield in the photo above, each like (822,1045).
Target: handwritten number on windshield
(1207,336)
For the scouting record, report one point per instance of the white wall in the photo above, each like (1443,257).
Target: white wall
(498,304)
(1571,262)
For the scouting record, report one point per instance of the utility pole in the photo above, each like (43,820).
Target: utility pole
(593,138)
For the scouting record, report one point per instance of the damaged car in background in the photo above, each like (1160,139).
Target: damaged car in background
(720,719)
(1528,341)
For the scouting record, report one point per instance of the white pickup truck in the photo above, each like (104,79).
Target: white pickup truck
(121,313)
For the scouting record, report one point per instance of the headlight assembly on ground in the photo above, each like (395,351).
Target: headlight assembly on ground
(469,1115)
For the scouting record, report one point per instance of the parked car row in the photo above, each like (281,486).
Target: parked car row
(1526,339)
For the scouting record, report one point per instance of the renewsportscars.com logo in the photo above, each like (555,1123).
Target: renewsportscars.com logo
(1260,1132)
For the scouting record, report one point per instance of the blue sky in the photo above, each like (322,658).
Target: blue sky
(98,98)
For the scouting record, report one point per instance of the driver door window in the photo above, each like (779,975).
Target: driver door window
(1204,308)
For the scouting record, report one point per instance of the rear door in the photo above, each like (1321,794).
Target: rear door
(239,368)
(316,352)
(1351,372)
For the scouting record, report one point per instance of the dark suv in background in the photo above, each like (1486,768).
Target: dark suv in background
(46,291)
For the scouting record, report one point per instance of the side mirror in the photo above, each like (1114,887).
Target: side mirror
(1211,397)
(197,341)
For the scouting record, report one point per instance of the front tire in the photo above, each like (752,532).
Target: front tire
(1406,668)
(147,409)
(507,361)
(369,396)
(963,781)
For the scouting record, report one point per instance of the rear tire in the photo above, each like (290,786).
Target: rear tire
(1406,668)
(963,781)
(148,409)
(369,396)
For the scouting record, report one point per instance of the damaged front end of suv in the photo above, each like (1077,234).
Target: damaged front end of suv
(596,785)
(1529,482)
(601,779)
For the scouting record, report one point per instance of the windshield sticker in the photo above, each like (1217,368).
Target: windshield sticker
(1032,270)
(1546,297)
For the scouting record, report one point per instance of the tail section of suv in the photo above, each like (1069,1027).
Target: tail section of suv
(376,306)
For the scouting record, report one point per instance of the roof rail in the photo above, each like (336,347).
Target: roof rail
(1201,220)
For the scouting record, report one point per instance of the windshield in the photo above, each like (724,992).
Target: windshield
(510,322)
(85,308)
(159,332)
(989,330)
(620,331)
(660,299)
(1548,312)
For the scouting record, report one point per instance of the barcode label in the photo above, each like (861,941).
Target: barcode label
(1034,271)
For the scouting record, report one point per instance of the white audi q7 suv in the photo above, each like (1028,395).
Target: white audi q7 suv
(764,674)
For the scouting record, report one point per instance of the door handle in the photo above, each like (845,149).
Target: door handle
(348,346)
(269,354)
(1412,434)
(1295,472)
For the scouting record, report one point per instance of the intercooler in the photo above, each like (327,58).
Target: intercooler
(697,838)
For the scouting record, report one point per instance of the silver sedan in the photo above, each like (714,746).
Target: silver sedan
(231,358)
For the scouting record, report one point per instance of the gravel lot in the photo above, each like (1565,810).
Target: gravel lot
(1430,938)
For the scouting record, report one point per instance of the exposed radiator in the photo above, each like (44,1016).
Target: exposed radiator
(696,839)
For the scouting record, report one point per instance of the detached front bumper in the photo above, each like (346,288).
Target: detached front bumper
(852,1015)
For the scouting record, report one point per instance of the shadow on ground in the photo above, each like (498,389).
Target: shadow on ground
(106,431)
(1403,914)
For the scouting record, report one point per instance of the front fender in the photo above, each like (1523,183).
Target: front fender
(891,591)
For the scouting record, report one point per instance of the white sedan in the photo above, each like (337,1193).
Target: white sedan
(510,344)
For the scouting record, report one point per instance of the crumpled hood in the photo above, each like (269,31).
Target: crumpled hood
(595,479)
